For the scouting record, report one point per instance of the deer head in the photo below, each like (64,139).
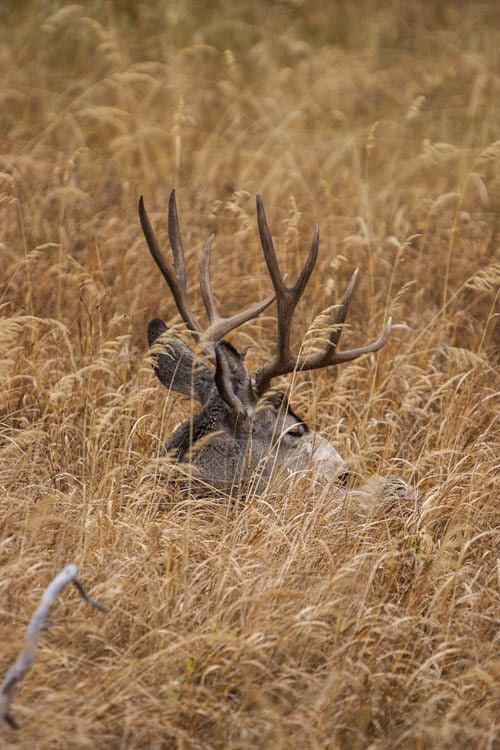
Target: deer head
(244,432)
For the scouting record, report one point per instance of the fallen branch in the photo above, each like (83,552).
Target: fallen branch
(23,663)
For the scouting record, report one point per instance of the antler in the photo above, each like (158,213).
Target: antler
(287,298)
(175,276)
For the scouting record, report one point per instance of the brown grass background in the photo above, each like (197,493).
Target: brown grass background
(293,622)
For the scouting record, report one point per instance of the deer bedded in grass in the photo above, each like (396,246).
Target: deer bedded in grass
(245,435)
(297,619)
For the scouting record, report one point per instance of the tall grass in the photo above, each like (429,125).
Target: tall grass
(296,620)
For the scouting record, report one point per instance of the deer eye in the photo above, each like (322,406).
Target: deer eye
(296,432)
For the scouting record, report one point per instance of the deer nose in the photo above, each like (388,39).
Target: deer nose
(326,457)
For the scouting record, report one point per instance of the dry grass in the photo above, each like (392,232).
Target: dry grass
(295,621)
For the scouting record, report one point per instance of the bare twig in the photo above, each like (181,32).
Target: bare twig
(23,663)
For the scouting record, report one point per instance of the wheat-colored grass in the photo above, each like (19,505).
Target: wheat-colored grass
(298,619)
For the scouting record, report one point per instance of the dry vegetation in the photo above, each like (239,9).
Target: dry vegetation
(292,621)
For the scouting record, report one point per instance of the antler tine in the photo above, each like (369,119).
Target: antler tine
(174,236)
(205,283)
(329,356)
(175,276)
(287,297)
(341,314)
(219,326)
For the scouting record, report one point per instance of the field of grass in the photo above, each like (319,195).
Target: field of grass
(295,620)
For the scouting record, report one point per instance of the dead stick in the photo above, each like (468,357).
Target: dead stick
(23,663)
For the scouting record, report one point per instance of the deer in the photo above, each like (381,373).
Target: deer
(244,434)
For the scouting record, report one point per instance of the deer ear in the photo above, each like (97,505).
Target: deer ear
(233,380)
(175,366)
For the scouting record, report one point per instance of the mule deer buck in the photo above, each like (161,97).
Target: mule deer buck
(243,433)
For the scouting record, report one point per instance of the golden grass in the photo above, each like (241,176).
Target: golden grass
(297,620)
